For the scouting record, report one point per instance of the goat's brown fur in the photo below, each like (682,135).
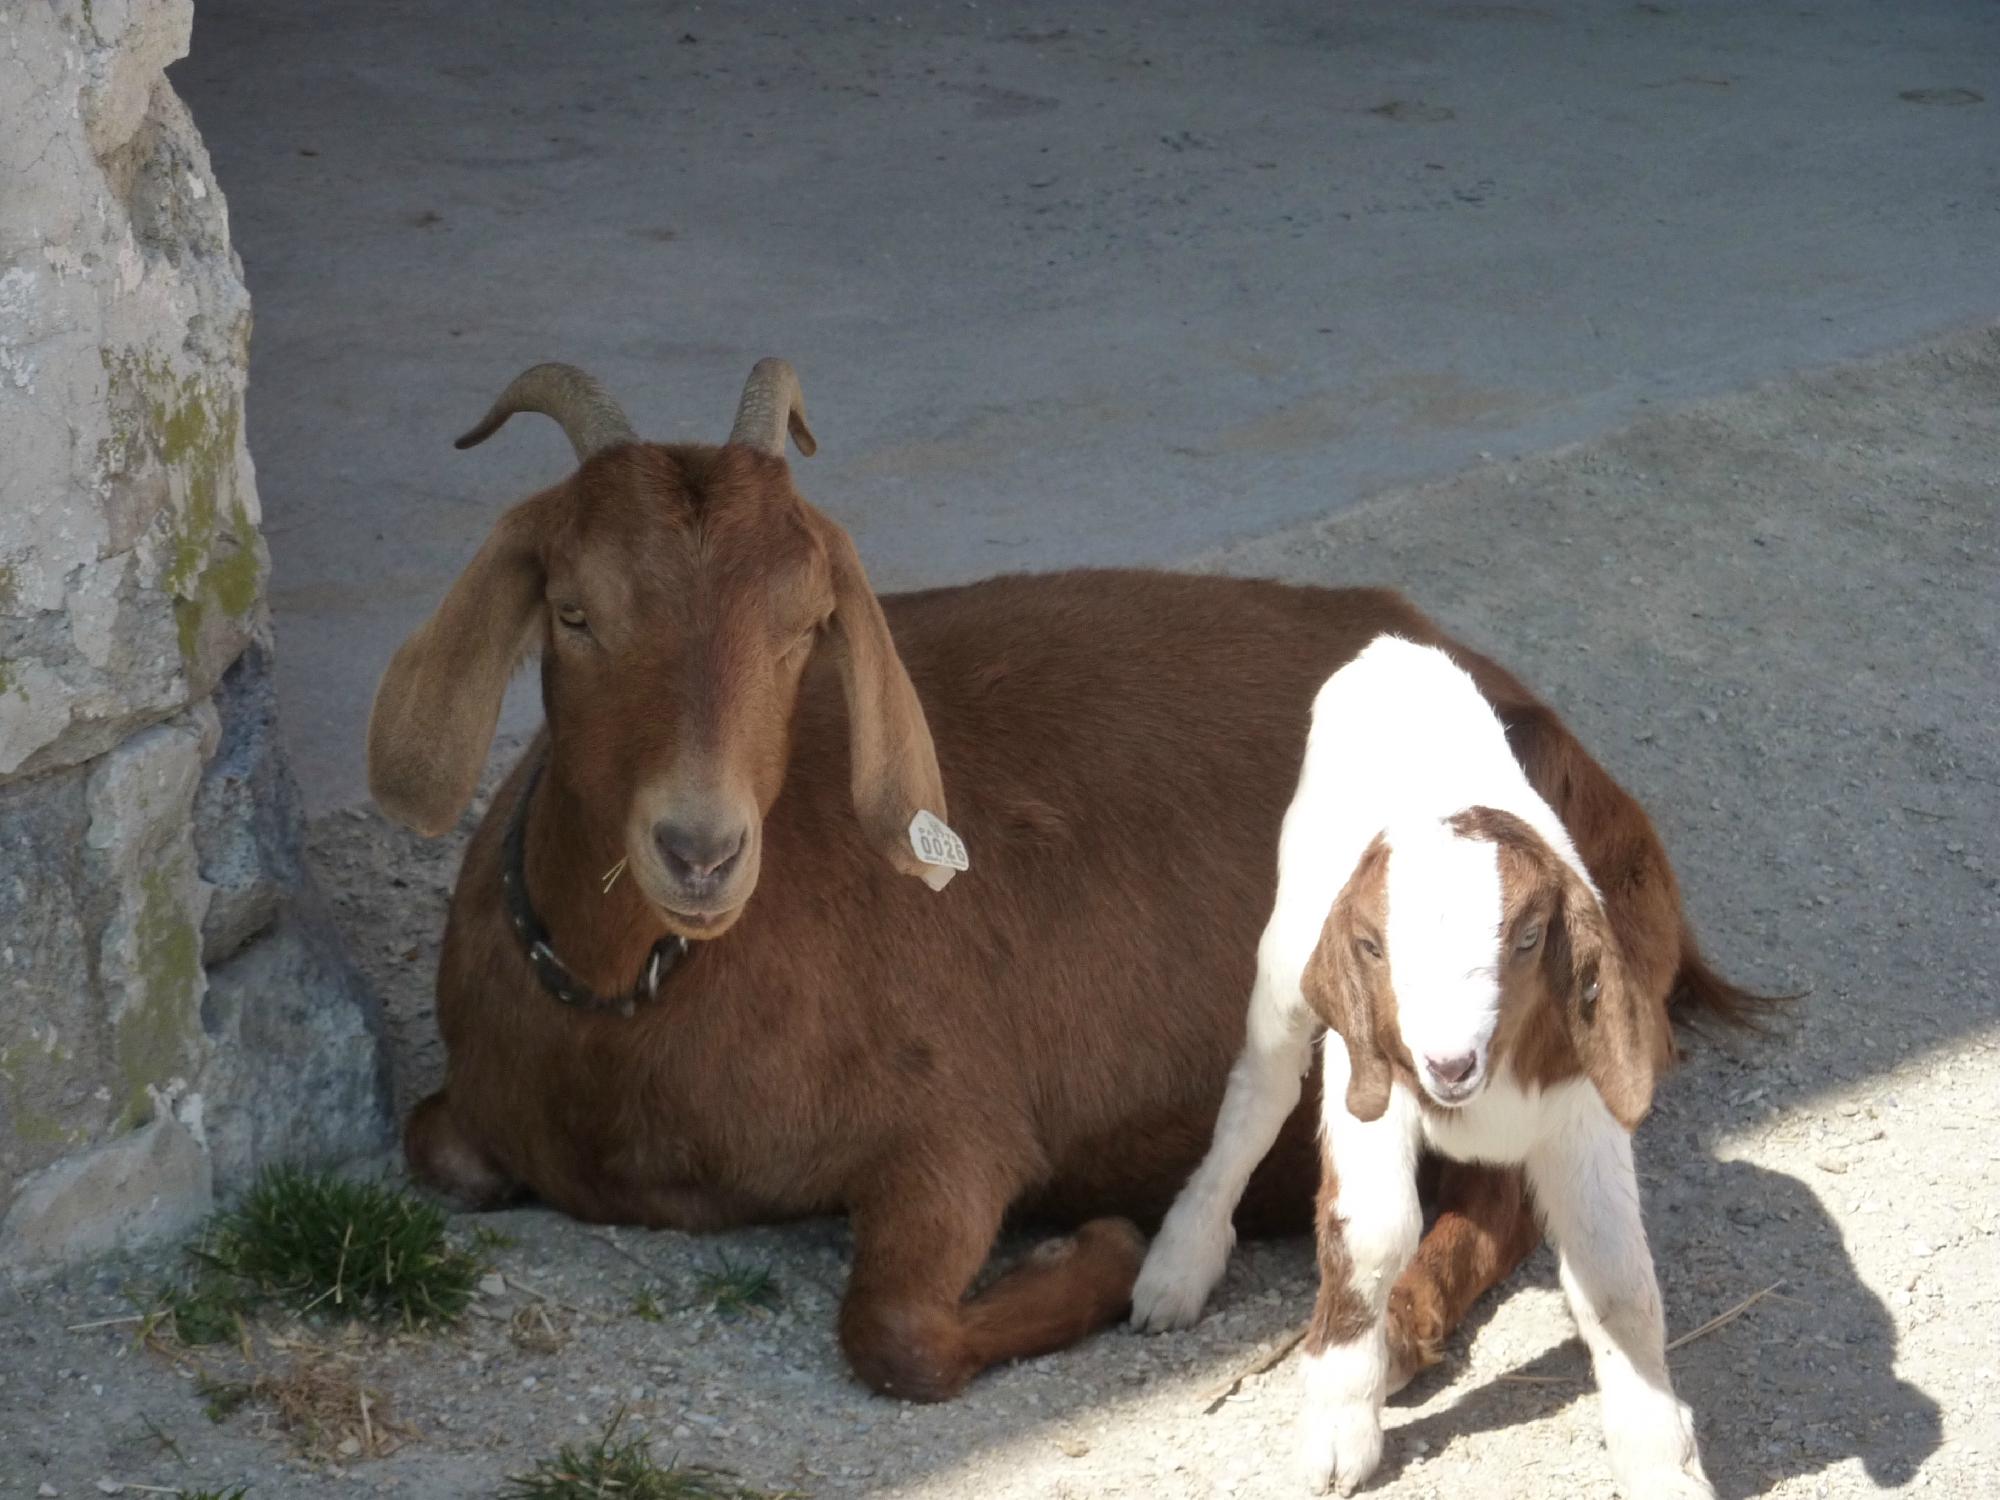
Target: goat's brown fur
(1484,1228)
(1575,1009)
(1051,1035)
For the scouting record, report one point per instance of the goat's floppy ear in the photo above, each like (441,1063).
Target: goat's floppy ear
(1619,1034)
(437,704)
(894,765)
(1338,992)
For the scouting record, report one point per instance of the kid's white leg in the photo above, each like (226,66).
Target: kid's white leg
(1583,1181)
(1368,1223)
(1190,1252)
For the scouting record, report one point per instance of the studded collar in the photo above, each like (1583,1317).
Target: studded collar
(557,977)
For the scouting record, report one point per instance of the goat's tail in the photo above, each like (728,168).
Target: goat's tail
(1703,1000)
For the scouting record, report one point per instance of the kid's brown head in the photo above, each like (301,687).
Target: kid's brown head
(1466,945)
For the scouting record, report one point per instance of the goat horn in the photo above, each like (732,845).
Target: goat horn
(590,418)
(772,404)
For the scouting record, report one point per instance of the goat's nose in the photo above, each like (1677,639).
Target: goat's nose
(697,855)
(1455,1069)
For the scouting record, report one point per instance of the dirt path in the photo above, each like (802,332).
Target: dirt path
(1774,617)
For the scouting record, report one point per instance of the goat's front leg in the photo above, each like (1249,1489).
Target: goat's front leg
(1583,1182)
(1192,1248)
(1484,1229)
(921,1236)
(1367,1224)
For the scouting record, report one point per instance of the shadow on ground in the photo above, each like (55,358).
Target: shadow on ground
(1835,1396)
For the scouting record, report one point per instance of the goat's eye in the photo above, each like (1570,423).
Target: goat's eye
(1370,947)
(1590,993)
(1530,935)
(572,616)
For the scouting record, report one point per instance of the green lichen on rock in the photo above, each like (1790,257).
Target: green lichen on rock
(35,1127)
(232,579)
(153,1034)
(209,552)
(187,626)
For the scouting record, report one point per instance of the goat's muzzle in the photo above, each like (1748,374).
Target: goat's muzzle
(1454,1079)
(699,860)
(699,872)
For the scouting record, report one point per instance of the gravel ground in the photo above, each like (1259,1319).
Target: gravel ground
(1773,616)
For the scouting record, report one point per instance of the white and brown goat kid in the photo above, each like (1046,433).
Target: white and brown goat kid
(1432,910)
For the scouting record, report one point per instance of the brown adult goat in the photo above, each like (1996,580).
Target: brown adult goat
(1051,1035)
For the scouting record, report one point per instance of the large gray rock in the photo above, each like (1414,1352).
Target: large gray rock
(51,1066)
(248,823)
(130,564)
(299,1070)
(152,1183)
(164,965)
(141,859)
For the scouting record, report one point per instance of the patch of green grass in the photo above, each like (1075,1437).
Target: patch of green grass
(610,1470)
(331,1245)
(485,1237)
(208,1310)
(236,1493)
(736,1291)
(647,1306)
(222,1397)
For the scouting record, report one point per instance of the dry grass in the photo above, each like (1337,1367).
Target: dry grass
(321,1401)
(316,1392)
(1263,1364)
(1724,1319)
(541,1328)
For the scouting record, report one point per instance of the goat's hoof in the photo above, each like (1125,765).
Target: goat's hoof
(1341,1444)
(1186,1261)
(1660,1459)
(1416,1331)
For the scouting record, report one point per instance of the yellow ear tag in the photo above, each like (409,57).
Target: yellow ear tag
(941,850)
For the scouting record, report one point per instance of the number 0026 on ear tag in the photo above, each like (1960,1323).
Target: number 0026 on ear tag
(938,847)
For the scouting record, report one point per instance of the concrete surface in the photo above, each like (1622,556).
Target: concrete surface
(1111,282)
(1773,617)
